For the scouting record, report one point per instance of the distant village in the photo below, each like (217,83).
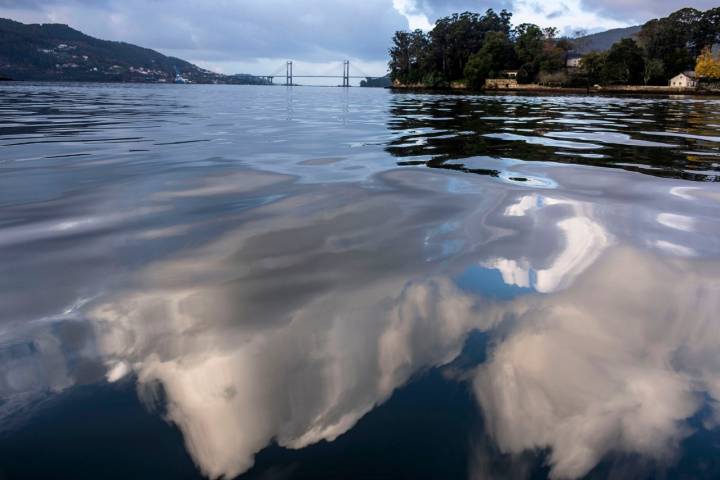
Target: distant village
(677,53)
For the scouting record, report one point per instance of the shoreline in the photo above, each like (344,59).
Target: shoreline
(592,91)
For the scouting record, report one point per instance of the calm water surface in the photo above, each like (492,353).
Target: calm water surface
(209,281)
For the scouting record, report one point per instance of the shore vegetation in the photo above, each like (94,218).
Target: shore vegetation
(472,47)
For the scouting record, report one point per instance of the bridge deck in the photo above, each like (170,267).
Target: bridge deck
(312,76)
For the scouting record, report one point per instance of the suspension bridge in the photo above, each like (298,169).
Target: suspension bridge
(290,76)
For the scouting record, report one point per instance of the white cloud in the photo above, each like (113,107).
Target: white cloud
(566,15)
(416,19)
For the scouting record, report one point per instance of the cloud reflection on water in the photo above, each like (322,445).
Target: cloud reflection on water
(594,369)
(267,293)
(588,366)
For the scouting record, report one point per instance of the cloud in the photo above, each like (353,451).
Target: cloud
(566,15)
(416,19)
(422,14)
(639,11)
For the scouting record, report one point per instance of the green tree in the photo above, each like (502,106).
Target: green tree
(400,56)
(624,63)
(527,73)
(456,37)
(408,56)
(592,66)
(707,31)
(673,39)
(496,54)
(654,72)
(529,42)
(552,58)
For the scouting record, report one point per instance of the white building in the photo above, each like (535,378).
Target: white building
(684,80)
(573,60)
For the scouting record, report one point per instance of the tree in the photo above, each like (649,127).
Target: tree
(654,72)
(550,32)
(624,63)
(706,32)
(529,42)
(708,65)
(526,73)
(552,58)
(400,56)
(456,37)
(538,51)
(592,66)
(496,54)
(407,56)
(478,69)
(673,39)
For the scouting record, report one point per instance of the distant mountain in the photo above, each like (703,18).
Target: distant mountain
(57,52)
(599,42)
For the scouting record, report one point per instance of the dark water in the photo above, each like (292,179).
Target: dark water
(270,283)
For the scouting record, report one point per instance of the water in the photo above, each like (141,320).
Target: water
(269,282)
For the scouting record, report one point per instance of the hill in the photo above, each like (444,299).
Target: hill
(601,41)
(55,52)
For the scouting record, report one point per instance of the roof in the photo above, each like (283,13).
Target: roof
(689,74)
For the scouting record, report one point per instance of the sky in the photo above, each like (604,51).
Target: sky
(258,36)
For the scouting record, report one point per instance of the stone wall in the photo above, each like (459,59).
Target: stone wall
(644,88)
(500,83)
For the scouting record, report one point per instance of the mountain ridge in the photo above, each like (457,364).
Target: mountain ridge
(602,41)
(58,52)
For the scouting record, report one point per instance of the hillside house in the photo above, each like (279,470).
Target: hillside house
(573,60)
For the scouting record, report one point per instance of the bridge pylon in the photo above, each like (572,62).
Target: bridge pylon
(346,73)
(288,73)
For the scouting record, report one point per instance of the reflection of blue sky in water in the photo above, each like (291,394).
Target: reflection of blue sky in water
(490,283)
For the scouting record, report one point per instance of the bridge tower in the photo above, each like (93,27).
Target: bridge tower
(288,73)
(346,73)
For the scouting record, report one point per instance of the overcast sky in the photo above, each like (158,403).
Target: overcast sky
(257,36)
